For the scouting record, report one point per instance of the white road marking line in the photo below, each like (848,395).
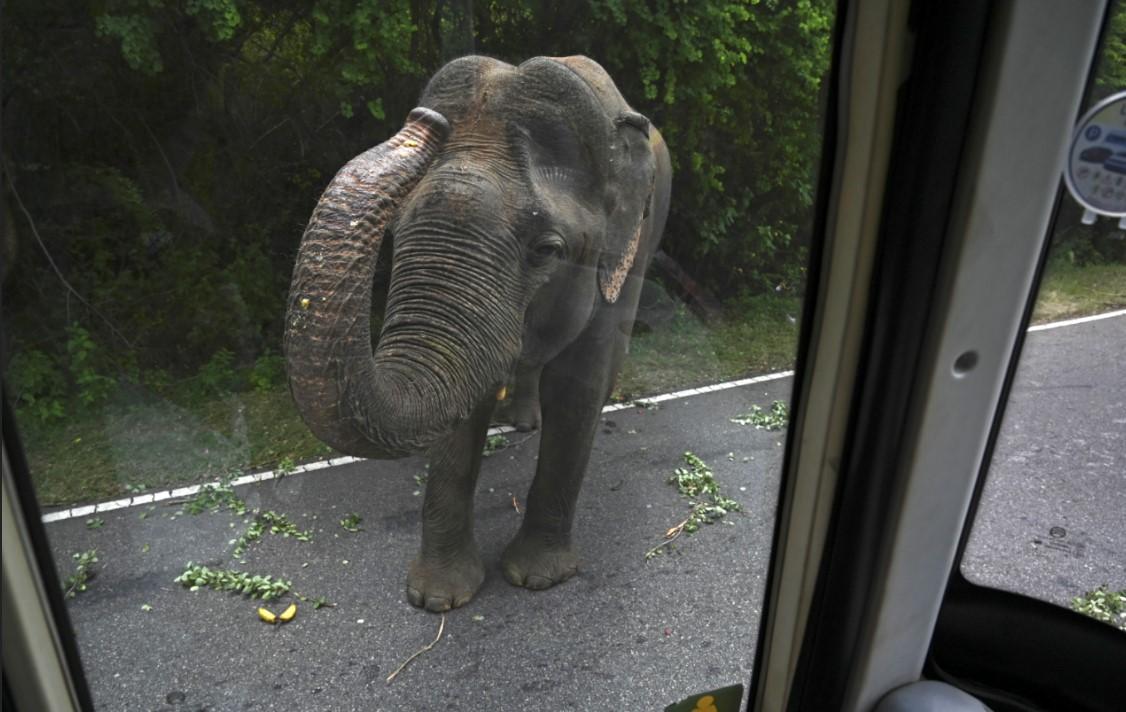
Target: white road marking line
(181,492)
(1080,320)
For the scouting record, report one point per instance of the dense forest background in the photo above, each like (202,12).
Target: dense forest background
(166,154)
(161,157)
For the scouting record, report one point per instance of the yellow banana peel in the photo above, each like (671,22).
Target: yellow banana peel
(288,614)
(267,616)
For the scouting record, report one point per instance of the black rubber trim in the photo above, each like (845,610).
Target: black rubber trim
(25,500)
(932,115)
(805,336)
(1013,652)
(1018,654)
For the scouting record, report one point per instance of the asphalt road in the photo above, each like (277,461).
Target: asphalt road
(625,633)
(1052,519)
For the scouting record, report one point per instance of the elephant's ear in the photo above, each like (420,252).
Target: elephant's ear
(632,172)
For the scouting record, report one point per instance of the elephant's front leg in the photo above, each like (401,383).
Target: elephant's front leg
(448,569)
(541,554)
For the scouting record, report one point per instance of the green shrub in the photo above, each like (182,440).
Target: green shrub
(267,373)
(38,385)
(218,375)
(91,386)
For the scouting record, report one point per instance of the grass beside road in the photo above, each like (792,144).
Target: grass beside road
(1069,291)
(139,441)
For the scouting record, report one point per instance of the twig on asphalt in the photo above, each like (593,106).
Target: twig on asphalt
(516,505)
(670,536)
(441,627)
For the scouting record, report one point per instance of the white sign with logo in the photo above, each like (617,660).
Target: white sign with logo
(1096,162)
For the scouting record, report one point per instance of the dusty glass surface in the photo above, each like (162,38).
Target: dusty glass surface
(1049,524)
(235,489)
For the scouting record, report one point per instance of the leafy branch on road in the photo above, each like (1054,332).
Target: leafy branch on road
(78,581)
(213,497)
(272,522)
(774,419)
(696,482)
(1104,605)
(260,586)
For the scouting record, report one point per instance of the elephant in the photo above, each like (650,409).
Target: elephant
(524,204)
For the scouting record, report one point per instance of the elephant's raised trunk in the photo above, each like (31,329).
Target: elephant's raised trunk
(345,400)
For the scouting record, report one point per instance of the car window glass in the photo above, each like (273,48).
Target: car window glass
(245,509)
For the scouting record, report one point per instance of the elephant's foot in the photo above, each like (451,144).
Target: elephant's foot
(439,585)
(526,414)
(537,562)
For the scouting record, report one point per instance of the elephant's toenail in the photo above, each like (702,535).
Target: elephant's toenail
(438,605)
(537,583)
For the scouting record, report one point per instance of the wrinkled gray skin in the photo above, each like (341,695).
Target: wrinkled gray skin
(525,204)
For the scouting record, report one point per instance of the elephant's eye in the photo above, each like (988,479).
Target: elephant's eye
(547,248)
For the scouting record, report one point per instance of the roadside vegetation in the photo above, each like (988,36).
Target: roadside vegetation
(138,439)
(160,168)
(1103,604)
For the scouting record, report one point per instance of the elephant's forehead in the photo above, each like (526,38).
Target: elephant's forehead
(552,107)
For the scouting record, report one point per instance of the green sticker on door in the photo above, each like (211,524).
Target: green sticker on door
(725,699)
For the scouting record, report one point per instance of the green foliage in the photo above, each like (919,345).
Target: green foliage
(267,373)
(696,482)
(264,587)
(136,34)
(218,374)
(213,497)
(221,17)
(40,381)
(494,443)
(95,523)
(736,87)
(1103,604)
(1110,75)
(38,385)
(170,153)
(268,522)
(78,581)
(92,386)
(351,522)
(774,419)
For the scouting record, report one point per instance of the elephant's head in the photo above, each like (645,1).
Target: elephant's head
(516,197)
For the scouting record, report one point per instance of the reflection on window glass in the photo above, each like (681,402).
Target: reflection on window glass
(1049,524)
(553,256)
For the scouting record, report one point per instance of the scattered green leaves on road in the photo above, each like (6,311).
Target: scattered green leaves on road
(260,586)
(95,523)
(265,587)
(268,522)
(774,419)
(697,483)
(494,443)
(78,581)
(1104,605)
(213,497)
(351,522)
